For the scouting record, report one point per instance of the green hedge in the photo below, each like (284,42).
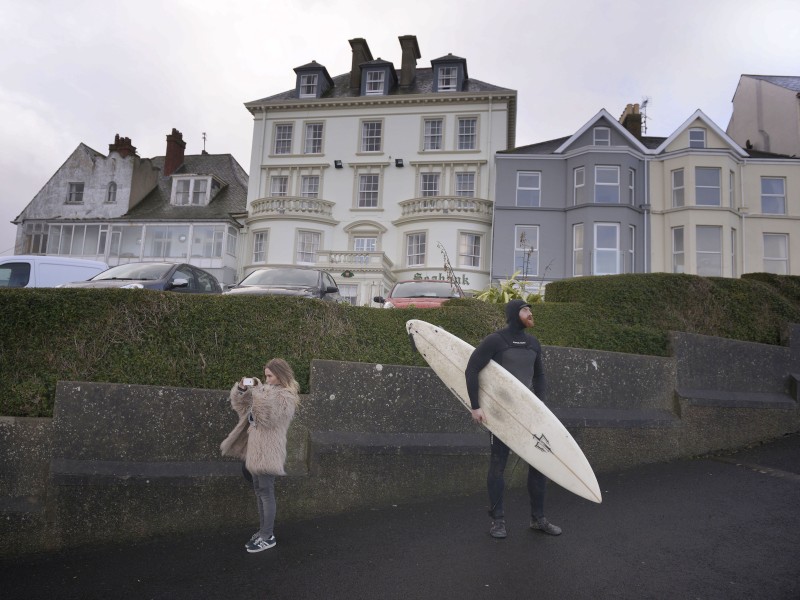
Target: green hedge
(144,337)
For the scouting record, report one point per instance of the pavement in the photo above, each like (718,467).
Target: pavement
(715,527)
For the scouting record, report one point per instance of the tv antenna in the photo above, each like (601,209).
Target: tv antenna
(204,142)
(644,104)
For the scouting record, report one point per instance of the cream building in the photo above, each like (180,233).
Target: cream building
(374,175)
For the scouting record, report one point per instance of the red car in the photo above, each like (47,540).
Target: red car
(419,293)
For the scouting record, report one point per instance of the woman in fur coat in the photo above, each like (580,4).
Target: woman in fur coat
(259,438)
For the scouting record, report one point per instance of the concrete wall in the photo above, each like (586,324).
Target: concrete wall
(128,462)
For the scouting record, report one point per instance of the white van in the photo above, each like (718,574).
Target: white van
(45,271)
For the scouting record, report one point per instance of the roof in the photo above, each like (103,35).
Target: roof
(231,199)
(548,147)
(788,82)
(423,84)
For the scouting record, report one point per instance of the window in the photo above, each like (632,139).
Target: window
(111,194)
(375,82)
(632,187)
(183,192)
(709,250)
(602,136)
(697,138)
(75,193)
(230,241)
(348,292)
(529,188)
(371,136)
(429,185)
(308,244)
(308,86)
(283,138)
(677,189)
(432,136)
(313,141)
(76,240)
(206,241)
(579,177)
(162,241)
(15,275)
(190,191)
(465,185)
(205,281)
(678,265)
(199,189)
(278,185)
(577,249)
(776,253)
(365,244)
(731,189)
(707,186)
(467,133)
(35,241)
(260,247)
(415,249)
(773,196)
(631,266)
(309,186)
(469,250)
(368,187)
(448,79)
(734,272)
(606,249)
(526,250)
(606,185)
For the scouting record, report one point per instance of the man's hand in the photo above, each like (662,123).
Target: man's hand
(478,415)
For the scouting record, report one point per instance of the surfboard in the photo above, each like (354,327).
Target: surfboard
(513,412)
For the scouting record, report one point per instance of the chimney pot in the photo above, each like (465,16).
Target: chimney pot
(122,146)
(175,152)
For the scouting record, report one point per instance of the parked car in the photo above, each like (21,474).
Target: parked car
(22,270)
(154,276)
(291,281)
(420,293)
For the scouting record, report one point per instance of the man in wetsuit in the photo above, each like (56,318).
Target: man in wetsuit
(521,355)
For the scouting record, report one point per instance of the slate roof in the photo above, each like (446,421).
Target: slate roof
(790,83)
(231,198)
(423,84)
(547,147)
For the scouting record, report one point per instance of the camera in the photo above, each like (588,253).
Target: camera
(248,381)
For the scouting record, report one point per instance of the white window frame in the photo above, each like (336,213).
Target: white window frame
(776,264)
(111,193)
(314,133)
(467,136)
(371,138)
(734,270)
(632,186)
(678,191)
(732,189)
(678,250)
(598,185)
(369,190)
(465,184)
(278,186)
(631,266)
(308,85)
(447,79)
(601,136)
(75,192)
(282,143)
(698,188)
(309,186)
(190,191)
(260,245)
(469,249)
(307,246)
(432,133)
(416,248)
(429,185)
(697,137)
(375,83)
(577,250)
(598,252)
(778,199)
(578,189)
(348,292)
(701,255)
(523,246)
(530,187)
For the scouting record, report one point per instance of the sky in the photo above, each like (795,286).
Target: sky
(85,70)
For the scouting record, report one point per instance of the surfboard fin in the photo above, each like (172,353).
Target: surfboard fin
(413,345)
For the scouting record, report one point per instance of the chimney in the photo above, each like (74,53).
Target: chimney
(361,54)
(631,120)
(122,146)
(175,148)
(408,67)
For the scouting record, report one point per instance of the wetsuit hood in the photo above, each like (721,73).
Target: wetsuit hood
(512,313)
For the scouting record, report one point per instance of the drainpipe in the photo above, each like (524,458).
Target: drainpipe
(743,212)
(491,163)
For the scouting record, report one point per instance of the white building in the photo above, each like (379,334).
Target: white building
(370,174)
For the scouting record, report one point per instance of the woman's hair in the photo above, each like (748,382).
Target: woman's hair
(284,374)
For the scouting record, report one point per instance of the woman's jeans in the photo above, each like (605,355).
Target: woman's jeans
(264,487)
(537,483)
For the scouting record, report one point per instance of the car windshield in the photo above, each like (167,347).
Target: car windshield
(424,289)
(282,277)
(139,271)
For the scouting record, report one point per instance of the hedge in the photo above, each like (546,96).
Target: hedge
(169,339)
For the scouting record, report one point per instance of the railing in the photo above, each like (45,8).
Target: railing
(353,259)
(292,206)
(447,206)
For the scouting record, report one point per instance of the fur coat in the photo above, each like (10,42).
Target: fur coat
(262,445)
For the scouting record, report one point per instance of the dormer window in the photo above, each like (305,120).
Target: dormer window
(602,136)
(448,79)
(193,191)
(449,73)
(697,138)
(375,82)
(308,85)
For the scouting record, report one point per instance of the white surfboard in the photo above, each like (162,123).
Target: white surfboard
(513,412)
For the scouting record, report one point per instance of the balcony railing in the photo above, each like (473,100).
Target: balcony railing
(447,207)
(292,206)
(353,260)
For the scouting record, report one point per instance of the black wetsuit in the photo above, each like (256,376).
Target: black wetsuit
(521,355)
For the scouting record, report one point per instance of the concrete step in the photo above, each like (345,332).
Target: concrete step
(725,399)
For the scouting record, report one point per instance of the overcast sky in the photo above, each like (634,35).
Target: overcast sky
(85,70)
